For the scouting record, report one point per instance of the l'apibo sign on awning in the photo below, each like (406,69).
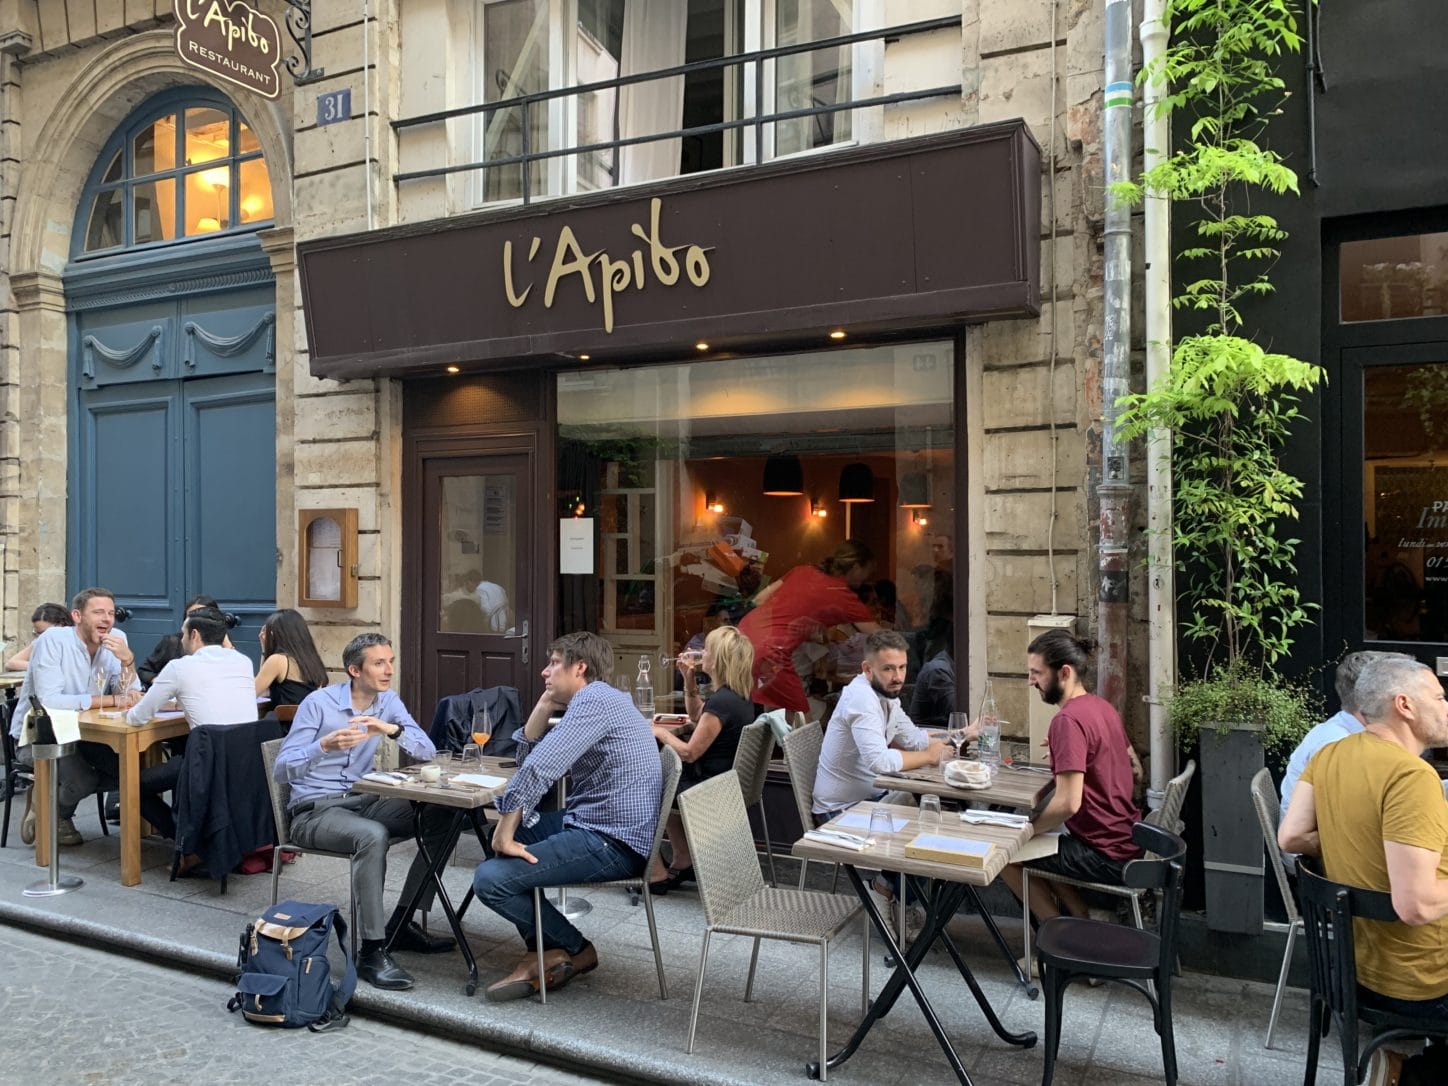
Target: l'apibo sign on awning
(232,40)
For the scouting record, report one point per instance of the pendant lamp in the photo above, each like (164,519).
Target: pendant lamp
(783,475)
(857,483)
(915,491)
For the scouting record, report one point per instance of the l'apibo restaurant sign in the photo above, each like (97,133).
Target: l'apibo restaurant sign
(232,40)
(910,234)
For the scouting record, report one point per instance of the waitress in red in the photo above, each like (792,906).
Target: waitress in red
(790,611)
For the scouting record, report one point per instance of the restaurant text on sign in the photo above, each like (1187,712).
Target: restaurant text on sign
(615,274)
(231,40)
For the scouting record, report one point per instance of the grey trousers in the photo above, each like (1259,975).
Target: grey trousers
(365,826)
(94,767)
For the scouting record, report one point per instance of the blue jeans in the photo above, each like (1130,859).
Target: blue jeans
(566,856)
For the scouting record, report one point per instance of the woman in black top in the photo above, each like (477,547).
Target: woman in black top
(291,667)
(709,750)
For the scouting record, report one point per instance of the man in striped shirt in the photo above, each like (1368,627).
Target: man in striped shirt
(607,828)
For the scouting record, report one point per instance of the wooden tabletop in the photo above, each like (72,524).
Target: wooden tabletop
(114,720)
(462,796)
(1020,789)
(889,854)
(10,680)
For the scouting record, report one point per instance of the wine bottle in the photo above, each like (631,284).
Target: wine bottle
(40,720)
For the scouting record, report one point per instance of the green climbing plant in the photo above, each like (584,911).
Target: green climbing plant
(1229,402)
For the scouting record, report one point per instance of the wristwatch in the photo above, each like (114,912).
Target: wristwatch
(398,733)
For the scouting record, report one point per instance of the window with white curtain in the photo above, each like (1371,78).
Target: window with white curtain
(528,46)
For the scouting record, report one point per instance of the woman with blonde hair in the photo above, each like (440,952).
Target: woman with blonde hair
(709,750)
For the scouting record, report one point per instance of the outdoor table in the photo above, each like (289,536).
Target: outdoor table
(462,798)
(948,884)
(130,742)
(11,680)
(1022,789)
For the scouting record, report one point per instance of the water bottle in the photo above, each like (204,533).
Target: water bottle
(644,689)
(990,728)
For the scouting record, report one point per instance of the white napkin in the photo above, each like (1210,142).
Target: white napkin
(481,780)
(994,818)
(386,778)
(838,839)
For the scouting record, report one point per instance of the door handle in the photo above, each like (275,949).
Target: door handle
(522,635)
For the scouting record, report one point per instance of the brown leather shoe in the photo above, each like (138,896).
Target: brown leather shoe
(523,980)
(585,961)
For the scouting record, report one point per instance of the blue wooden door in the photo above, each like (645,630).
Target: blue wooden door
(173,451)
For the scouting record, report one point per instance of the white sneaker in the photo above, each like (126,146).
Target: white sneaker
(27,820)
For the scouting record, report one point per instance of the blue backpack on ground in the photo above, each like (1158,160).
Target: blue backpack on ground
(284,978)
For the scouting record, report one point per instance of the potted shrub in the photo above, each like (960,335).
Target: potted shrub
(1230,405)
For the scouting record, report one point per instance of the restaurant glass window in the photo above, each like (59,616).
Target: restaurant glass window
(666,527)
(820,77)
(477,576)
(1394,278)
(1405,488)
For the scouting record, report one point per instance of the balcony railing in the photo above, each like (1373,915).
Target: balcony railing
(528,158)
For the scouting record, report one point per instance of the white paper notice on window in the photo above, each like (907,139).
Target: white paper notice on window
(575,545)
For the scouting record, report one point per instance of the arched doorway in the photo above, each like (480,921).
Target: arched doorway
(171,313)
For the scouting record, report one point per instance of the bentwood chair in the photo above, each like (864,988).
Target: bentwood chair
(1264,802)
(751,766)
(1167,817)
(737,902)
(672,768)
(1328,911)
(1069,948)
(281,796)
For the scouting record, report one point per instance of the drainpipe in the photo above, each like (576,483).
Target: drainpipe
(1114,489)
(1161,583)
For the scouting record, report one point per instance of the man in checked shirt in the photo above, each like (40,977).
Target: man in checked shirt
(607,828)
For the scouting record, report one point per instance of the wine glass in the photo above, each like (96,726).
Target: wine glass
(959,722)
(481,733)
(98,681)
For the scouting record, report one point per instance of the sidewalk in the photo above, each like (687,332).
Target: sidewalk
(612,1022)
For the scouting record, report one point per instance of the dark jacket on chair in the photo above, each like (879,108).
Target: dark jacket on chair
(452,724)
(223,805)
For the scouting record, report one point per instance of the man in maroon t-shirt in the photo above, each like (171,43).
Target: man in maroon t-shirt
(1093,799)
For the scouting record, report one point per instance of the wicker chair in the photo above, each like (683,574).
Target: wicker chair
(1167,817)
(737,902)
(671,766)
(281,796)
(751,766)
(802,755)
(1264,801)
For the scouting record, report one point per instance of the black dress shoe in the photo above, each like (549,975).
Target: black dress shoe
(411,937)
(378,969)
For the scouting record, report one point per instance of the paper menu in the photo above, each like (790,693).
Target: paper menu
(860,820)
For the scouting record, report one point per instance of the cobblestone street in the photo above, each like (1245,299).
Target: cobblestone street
(73,1014)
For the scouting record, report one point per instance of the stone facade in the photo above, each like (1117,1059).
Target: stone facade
(72,71)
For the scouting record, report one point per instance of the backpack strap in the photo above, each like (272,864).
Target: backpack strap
(348,984)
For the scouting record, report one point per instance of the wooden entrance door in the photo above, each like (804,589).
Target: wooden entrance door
(476,620)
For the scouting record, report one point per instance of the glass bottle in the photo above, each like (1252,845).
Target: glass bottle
(990,728)
(644,689)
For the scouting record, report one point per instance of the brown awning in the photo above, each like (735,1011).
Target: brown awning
(892,236)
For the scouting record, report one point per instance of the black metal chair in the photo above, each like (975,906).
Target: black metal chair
(1069,949)
(1328,910)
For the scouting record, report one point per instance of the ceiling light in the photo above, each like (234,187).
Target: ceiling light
(783,475)
(584,357)
(915,491)
(838,333)
(454,369)
(857,483)
(701,346)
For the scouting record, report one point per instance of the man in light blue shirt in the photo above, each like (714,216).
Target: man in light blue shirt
(329,748)
(1338,726)
(77,667)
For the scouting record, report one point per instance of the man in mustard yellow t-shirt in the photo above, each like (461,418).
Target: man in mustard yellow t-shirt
(1375,812)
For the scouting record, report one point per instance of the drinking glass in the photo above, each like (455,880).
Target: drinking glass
(930,813)
(881,827)
(959,722)
(98,681)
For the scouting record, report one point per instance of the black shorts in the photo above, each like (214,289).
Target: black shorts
(1077,860)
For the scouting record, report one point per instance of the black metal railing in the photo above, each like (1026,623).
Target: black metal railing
(524,102)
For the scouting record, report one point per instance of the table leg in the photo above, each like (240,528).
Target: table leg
(902,977)
(484,837)
(1000,941)
(435,865)
(39,797)
(130,759)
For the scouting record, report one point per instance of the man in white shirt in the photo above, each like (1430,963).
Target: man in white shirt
(869,734)
(212,684)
